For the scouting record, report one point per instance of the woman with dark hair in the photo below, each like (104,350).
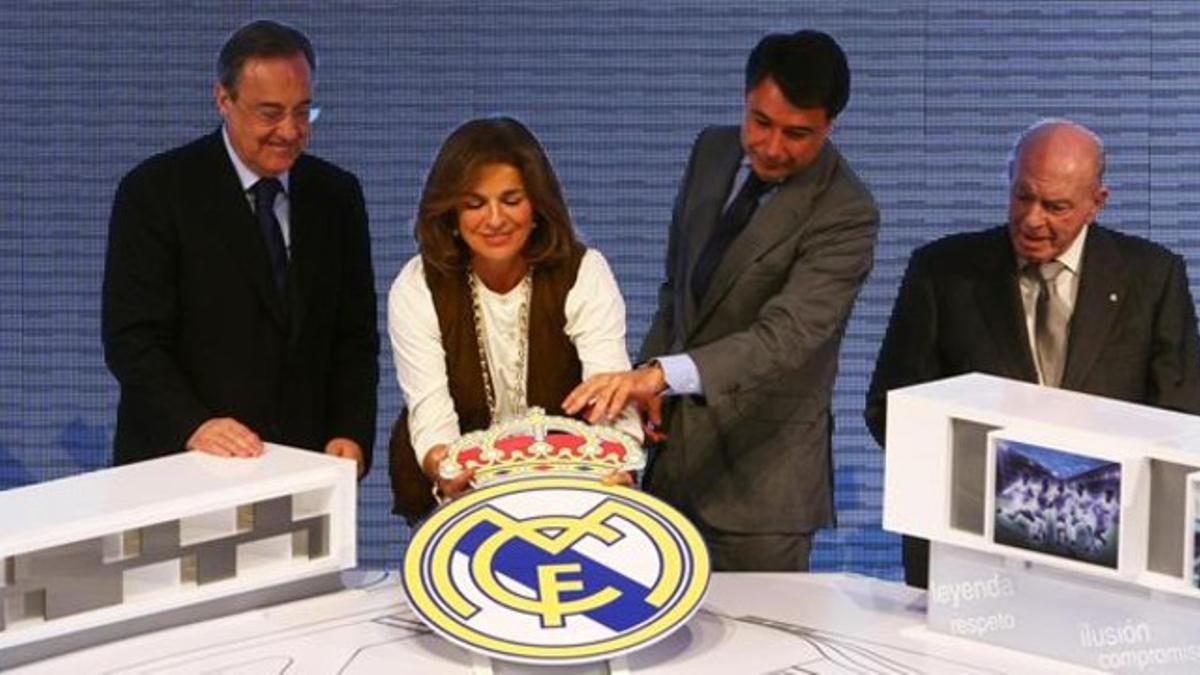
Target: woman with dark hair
(503,308)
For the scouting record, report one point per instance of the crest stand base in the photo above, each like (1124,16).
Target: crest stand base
(483,665)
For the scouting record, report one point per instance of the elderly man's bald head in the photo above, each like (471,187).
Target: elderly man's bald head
(1063,138)
(1057,173)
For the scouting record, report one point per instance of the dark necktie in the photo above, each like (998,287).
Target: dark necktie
(732,223)
(1050,321)
(265,191)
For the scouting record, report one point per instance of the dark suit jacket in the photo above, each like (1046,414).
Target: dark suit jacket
(194,326)
(1132,337)
(753,454)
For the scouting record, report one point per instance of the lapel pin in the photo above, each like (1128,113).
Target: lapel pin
(1112,297)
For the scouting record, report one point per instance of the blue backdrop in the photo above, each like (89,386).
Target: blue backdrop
(617,91)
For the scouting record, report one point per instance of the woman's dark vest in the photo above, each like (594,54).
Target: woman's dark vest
(553,368)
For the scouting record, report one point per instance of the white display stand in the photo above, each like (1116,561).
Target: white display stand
(103,555)
(1100,571)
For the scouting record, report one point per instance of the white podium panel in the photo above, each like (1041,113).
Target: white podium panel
(100,555)
(1081,511)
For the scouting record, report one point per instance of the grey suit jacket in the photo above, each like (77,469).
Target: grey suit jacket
(753,454)
(1133,330)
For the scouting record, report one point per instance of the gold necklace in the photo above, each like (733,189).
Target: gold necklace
(526,290)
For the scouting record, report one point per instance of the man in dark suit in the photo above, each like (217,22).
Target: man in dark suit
(1052,298)
(239,300)
(771,239)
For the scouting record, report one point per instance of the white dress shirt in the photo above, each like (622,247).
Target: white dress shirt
(595,315)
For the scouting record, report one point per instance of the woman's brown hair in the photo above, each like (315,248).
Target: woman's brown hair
(469,148)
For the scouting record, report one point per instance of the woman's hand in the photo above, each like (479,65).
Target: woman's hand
(447,489)
(619,477)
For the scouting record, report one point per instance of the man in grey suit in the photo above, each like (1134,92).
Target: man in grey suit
(771,239)
(1052,298)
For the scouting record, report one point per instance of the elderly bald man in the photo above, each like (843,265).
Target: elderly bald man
(1052,298)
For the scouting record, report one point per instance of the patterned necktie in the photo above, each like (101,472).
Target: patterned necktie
(265,192)
(1050,321)
(732,223)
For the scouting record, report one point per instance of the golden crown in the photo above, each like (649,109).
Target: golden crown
(537,443)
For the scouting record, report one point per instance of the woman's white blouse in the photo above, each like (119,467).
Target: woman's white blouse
(595,315)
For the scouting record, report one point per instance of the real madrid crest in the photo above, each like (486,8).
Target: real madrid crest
(547,567)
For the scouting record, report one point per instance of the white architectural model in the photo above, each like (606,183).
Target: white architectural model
(121,550)
(1061,523)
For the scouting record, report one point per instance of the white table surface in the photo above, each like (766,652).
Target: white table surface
(750,623)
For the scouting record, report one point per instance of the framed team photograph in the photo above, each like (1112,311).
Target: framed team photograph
(1056,502)
(1195,568)
(1191,543)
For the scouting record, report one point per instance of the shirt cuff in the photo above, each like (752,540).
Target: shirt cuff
(681,374)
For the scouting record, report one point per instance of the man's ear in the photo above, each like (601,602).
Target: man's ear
(1101,200)
(223,99)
